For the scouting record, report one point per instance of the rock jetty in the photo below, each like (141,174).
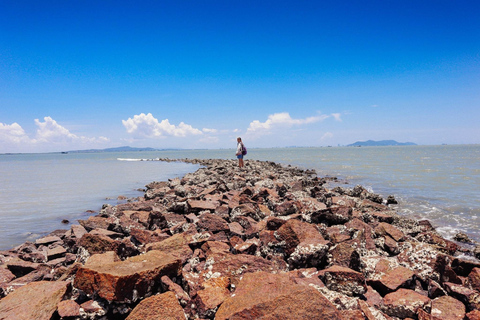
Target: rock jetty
(267,242)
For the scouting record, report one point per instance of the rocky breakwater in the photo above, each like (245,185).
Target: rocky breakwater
(268,242)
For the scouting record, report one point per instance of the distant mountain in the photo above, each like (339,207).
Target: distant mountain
(371,143)
(118,149)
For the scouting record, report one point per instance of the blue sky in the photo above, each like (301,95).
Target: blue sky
(197,74)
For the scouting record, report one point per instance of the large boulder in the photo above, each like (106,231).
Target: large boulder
(128,280)
(263,295)
(36,300)
(161,306)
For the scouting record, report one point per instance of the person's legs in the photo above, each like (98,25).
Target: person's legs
(240,163)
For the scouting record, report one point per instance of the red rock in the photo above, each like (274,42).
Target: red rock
(138,216)
(208,300)
(20,267)
(365,308)
(391,246)
(352,314)
(117,281)
(286,208)
(333,215)
(97,222)
(403,303)
(442,244)
(98,243)
(293,232)
(146,236)
(248,247)
(200,205)
(387,229)
(345,255)
(161,306)
(108,233)
(435,290)
(181,295)
(56,252)
(308,253)
(212,248)
(6,275)
(364,237)
(399,277)
(447,308)
(211,222)
(473,315)
(373,297)
(474,279)
(236,228)
(338,234)
(382,217)
(36,300)
(470,298)
(78,231)
(275,296)
(344,280)
(68,308)
(91,307)
(45,241)
(235,266)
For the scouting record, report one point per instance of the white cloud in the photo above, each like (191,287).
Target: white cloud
(13,134)
(337,116)
(326,136)
(207,130)
(282,119)
(147,126)
(49,135)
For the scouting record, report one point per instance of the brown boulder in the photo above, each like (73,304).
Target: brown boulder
(68,308)
(403,303)
(263,295)
(474,279)
(384,229)
(211,222)
(447,308)
(345,255)
(36,300)
(344,280)
(293,232)
(394,279)
(473,315)
(161,306)
(127,280)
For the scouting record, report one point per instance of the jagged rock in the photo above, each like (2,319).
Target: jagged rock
(404,303)
(211,222)
(399,277)
(387,229)
(446,308)
(45,241)
(161,306)
(68,309)
(345,255)
(474,279)
(344,280)
(128,280)
(274,296)
(36,300)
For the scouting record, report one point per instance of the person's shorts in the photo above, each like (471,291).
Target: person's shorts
(240,156)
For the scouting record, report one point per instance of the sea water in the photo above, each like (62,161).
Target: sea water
(38,191)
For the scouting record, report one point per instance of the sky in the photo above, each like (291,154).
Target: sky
(86,74)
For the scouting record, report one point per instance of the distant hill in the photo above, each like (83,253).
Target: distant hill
(371,143)
(118,149)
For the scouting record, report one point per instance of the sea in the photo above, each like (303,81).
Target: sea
(40,193)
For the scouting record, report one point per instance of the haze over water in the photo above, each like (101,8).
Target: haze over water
(37,191)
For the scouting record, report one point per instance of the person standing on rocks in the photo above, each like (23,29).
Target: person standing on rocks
(241,151)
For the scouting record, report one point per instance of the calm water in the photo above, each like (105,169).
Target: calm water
(37,191)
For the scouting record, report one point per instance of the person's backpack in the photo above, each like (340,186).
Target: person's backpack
(244,150)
